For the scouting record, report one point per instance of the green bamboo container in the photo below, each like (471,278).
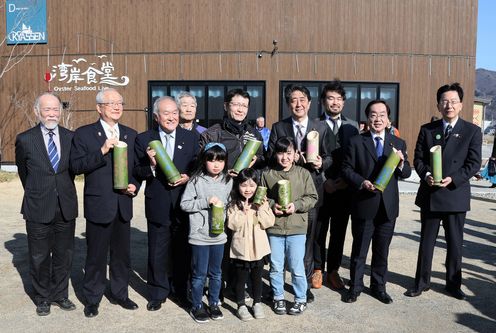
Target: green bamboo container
(217,226)
(259,195)
(166,165)
(250,150)
(382,180)
(119,155)
(437,164)
(284,193)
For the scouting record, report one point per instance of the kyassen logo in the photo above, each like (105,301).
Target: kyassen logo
(26,22)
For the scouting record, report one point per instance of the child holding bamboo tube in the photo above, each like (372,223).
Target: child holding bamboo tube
(288,235)
(204,199)
(249,214)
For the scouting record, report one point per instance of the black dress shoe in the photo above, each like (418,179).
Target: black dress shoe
(457,293)
(154,305)
(310,296)
(125,303)
(91,310)
(64,304)
(382,296)
(415,292)
(43,308)
(351,296)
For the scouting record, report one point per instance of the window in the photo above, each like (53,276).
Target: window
(210,97)
(358,95)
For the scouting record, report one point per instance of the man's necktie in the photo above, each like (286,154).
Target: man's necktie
(335,126)
(113,133)
(299,136)
(379,147)
(52,151)
(168,146)
(447,132)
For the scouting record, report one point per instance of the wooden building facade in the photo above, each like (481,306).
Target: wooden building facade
(399,50)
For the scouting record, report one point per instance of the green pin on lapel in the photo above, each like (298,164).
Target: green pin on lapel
(438,136)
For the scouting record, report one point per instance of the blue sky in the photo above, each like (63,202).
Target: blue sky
(486,41)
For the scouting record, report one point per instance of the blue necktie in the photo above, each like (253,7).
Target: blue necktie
(52,152)
(379,148)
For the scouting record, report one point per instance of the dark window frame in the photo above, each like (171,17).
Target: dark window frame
(244,84)
(360,106)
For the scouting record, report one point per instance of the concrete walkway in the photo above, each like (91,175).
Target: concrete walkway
(433,311)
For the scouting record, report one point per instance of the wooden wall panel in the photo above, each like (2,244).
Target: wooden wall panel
(420,44)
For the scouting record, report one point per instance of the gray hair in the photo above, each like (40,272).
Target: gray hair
(183,94)
(37,101)
(160,100)
(101,94)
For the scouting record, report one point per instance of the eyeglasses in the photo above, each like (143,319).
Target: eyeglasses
(374,116)
(113,104)
(445,103)
(239,105)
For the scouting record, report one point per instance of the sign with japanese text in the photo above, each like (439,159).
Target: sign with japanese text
(81,74)
(26,22)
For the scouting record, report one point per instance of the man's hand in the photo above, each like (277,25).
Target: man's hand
(151,156)
(184,179)
(130,190)
(368,186)
(318,163)
(445,182)
(109,144)
(253,160)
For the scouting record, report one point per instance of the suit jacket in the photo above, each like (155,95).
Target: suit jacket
(361,163)
(44,188)
(461,160)
(285,128)
(160,198)
(336,144)
(101,201)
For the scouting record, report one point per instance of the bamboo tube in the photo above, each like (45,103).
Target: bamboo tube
(284,193)
(382,180)
(312,146)
(259,195)
(250,150)
(217,226)
(163,160)
(437,164)
(119,156)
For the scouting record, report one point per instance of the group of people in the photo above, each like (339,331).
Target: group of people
(187,249)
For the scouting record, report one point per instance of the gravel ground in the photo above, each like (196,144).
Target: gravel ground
(433,311)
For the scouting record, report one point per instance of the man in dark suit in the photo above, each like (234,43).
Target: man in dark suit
(297,126)
(448,201)
(108,212)
(162,202)
(336,208)
(49,205)
(374,212)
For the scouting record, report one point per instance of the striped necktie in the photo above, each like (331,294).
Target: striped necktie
(299,136)
(447,132)
(53,155)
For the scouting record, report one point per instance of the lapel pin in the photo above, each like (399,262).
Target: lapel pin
(438,136)
(125,137)
(99,133)
(456,135)
(179,147)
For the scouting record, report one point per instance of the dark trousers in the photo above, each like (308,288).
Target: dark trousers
(99,239)
(159,257)
(255,275)
(380,231)
(181,258)
(333,217)
(310,243)
(51,248)
(453,227)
